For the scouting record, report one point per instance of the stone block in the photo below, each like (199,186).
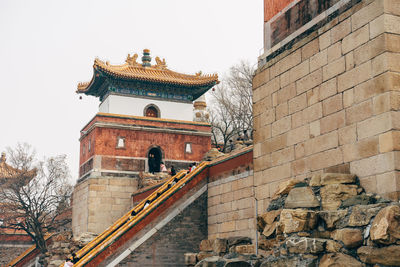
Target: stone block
(374,125)
(386,102)
(299,71)
(332,104)
(386,62)
(327,89)
(355,39)
(281,126)
(339,260)
(333,246)
(324,40)
(349,61)
(380,163)
(388,182)
(334,51)
(274,144)
(366,14)
(324,159)
(333,122)
(370,50)
(363,149)
(285,187)
(387,256)
(340,31)
(297,103)
(315,129)
(260,78)
(334,68)
(277,173)
(318,60)
(310,81)
(282,156)
(301,197)
(347,135)
(321,143)
(310,49)
(355,76)
(377,85)
(203,254)
(286,93)
(298,135)
(359,112)
(290,61)
(284,78)
(282,110)
(297,220)
(348,98)
(389,141)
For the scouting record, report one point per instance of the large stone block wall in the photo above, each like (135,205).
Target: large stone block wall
(231,209)
(329,102)
(99,202)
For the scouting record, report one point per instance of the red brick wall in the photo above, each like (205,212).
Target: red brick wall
(273,7)
(137,143)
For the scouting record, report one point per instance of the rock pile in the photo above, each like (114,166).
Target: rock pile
(234,251)
(329,221)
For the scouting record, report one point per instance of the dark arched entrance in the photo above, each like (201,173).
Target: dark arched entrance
(155,157)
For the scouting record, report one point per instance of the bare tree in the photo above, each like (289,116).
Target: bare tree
(231,112)
(34,193)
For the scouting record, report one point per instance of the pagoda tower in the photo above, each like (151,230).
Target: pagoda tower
(146,116)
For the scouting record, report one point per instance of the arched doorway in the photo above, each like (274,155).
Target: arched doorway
(154,158)
(151,110)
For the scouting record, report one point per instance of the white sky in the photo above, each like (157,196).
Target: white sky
(47,47)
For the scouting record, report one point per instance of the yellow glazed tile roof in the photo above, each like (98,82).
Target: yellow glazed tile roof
(152,73)
(8,172)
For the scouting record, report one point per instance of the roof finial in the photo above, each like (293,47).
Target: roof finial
(3,157)
(146,59)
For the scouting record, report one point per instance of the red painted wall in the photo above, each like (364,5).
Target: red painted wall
(273,7)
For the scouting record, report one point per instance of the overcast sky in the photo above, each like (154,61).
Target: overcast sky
(47,47)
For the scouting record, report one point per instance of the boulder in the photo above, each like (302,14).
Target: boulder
(385,227)
(301,197)
(362,199)
(213,261)
(337,178)
(300,245)
(350,237)
(220,245)
(315,180)
(388,256)
(190,259)
(332,246)
(237,263)
(332,195)
(245,249)
(269,229)
(206,245)
(204,254)
(361,214)
(238,240)
(285,187)
(331,217)
(339,260)
(296,220)
(271,216)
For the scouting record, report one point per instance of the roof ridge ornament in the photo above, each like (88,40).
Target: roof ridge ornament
(3,157)
(160,64)
(131,60)
(146,58)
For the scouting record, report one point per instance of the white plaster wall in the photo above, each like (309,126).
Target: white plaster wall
(133,106)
